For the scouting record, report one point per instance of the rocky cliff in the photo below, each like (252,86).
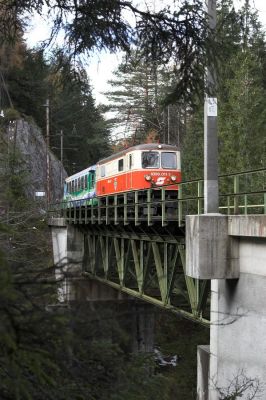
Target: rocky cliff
(28,141)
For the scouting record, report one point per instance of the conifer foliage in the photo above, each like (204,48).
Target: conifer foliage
(33,80)
(178,32)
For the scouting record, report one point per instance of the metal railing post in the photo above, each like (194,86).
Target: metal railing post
(107,210)
(246,204)
(75,212)
(86,211)
(115,210)
(99,211)
(136,208)
(236,191)
(164,222)
(125,209)
(92,213)
(200,192)
(180,205)
(149,207)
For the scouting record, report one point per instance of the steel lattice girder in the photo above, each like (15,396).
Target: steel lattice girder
(150,266)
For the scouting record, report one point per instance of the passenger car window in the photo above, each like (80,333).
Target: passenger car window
(121,164)
(92,180)
(169,160)
(150,159)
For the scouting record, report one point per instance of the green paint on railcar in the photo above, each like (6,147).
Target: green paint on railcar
(81,188)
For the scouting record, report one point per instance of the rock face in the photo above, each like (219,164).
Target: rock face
(28,140)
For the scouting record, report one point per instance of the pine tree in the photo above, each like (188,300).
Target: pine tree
(73,110)
(242,95)
(138,97)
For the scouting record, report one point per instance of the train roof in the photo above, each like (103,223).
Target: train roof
(80,173)
(147,146)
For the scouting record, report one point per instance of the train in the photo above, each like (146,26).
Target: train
(137,168)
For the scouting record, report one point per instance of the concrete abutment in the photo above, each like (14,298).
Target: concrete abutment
(236,265)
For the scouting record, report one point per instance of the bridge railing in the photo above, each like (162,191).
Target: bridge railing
(239,193)
(243,192)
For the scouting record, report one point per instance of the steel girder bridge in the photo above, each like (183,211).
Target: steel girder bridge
(136,243)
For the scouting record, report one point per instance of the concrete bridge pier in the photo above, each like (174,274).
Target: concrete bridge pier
(69,259)
(231,251)
(68,249)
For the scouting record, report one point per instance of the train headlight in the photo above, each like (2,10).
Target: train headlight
(148,178)
(173,178)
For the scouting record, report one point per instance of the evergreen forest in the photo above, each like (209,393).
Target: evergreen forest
(81,352)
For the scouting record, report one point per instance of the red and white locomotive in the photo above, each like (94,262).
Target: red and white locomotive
(140,167)
(131,171)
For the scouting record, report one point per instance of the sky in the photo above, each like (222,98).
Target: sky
(101,66)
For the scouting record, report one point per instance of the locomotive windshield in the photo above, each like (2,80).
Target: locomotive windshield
(150,159)
(169,160)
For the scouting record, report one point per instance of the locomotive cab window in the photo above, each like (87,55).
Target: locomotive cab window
(150,159)
(102,171)
(121,164)
(168,160)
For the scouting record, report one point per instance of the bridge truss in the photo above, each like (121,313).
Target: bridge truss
(149,265)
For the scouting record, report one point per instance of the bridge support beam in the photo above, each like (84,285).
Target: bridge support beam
(238,312)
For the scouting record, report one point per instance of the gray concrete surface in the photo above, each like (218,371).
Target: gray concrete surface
(68,250)
(203,359)
(210,252)
(247,225)
(227,247)
(238,317)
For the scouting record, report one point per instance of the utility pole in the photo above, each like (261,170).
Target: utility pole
(61,157)
(48,194)
(168,124)
(211,196)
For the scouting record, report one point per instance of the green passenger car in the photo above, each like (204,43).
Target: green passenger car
(80,188)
